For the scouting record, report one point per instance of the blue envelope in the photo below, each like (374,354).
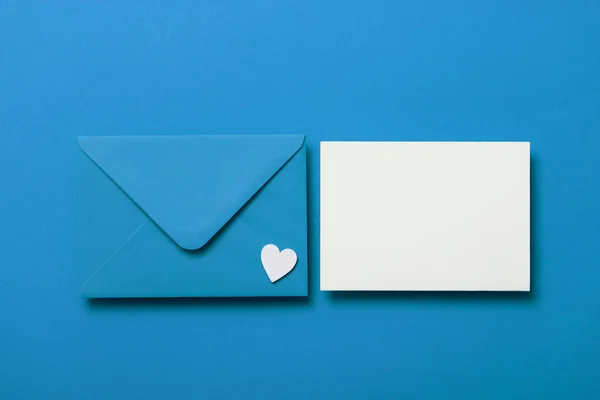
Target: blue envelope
(188,216)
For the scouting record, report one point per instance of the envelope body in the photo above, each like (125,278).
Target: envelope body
(188,216)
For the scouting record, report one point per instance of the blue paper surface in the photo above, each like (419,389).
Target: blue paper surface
(192,214)
(353,70)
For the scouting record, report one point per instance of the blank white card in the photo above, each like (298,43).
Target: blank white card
(433,216)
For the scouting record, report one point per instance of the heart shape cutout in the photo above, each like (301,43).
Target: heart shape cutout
(277,264)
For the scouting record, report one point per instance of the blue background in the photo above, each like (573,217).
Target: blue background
(338,70)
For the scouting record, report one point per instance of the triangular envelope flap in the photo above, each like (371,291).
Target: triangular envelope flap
(191,185)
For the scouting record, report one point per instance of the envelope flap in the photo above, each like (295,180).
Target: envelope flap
(190,186)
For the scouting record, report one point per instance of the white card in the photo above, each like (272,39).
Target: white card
(434,216)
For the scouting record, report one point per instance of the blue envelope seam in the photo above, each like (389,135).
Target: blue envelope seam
(114,253)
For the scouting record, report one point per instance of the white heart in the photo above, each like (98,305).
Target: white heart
(277,264)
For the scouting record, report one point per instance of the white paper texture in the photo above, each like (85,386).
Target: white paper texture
(425,216)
